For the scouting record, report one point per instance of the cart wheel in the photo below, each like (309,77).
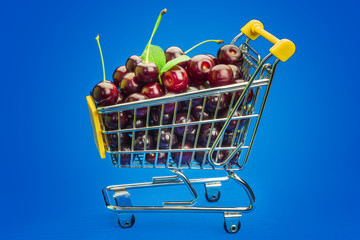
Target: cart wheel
(127,223)
(233,228)
(214,197)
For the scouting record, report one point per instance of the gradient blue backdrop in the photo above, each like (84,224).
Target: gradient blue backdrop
(304,167)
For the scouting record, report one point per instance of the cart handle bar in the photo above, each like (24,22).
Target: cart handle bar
(283,49)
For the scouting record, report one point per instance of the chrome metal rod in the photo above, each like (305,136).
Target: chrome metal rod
(230,116)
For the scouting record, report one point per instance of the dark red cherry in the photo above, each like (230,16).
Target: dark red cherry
(119,74)
(152,90)
(155,116)
(121,98)
(191,136)
(221,75)
(232,125)
(170,107)
(198,68)
(181,118)
(147,72)
(212,101)
(130,84)
(249,97)
(125,159)
(132,62)
(213,58)
(114,138)
(161,158)
(165,138)
(194,102)
(186,156)
(139,122)
(174,52)
(176,79)
(196,113)
(206,132)
(236,71)
(230,54)
(143,143)
(105,93)
(223,154)
(111,120)
(140,112)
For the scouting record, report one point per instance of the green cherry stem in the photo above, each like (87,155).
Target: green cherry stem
(152,35)
(102,60)
(217,41)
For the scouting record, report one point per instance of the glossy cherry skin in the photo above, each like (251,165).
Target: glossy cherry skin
(205,132)
(121,98)
(155,115)
(114,138)
(111,120)
(181,118)
(105,93)
(130,84)
(228,138)
(190,136)
(139,122)
(186,156)
(139,141)
(196,113)
(176,79)
(212,101)
(238,94)
(125,159)
(199,157)
(198,68)
(194,102)
(147,72)
(132,62)
(232,124)
(140,112)
(213,58)
(236,71)
(170,107)
(221,75)
(119,74)
(161,158)
(174,52)
(152,90)
(230,54)
(165,138)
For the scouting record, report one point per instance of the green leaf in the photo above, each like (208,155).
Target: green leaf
(173,62)
(156,55)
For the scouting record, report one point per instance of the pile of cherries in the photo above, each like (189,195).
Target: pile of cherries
(138,80)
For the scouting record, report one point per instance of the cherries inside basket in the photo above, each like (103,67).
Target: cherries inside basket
(157,73)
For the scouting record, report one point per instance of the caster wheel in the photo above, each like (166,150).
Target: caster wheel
(212,198)
(233,228)
(127,223)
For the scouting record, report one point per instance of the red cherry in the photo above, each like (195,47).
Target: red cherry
(221,75)
(130,84)
(230,54)
(118,74)
(152,90)
(140,112)
(176,79)
(198,68)
(105,93)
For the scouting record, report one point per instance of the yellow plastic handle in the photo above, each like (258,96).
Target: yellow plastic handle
(283,49)
(96,126)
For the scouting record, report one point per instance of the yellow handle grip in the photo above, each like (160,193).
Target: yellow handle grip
(283,49)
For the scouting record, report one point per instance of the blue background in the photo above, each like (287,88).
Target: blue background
(304,164)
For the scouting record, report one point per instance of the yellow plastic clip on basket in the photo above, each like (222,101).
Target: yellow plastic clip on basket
(258,73)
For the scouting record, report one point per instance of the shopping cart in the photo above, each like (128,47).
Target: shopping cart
(229,152)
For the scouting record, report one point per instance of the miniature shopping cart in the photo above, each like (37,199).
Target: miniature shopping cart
(229,154)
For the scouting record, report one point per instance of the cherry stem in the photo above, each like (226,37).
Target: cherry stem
(152,35)
(102,60)
(217,41)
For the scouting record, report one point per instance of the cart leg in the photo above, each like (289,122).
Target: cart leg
(232,222)
(246,187)
(212,191)
(122,199)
